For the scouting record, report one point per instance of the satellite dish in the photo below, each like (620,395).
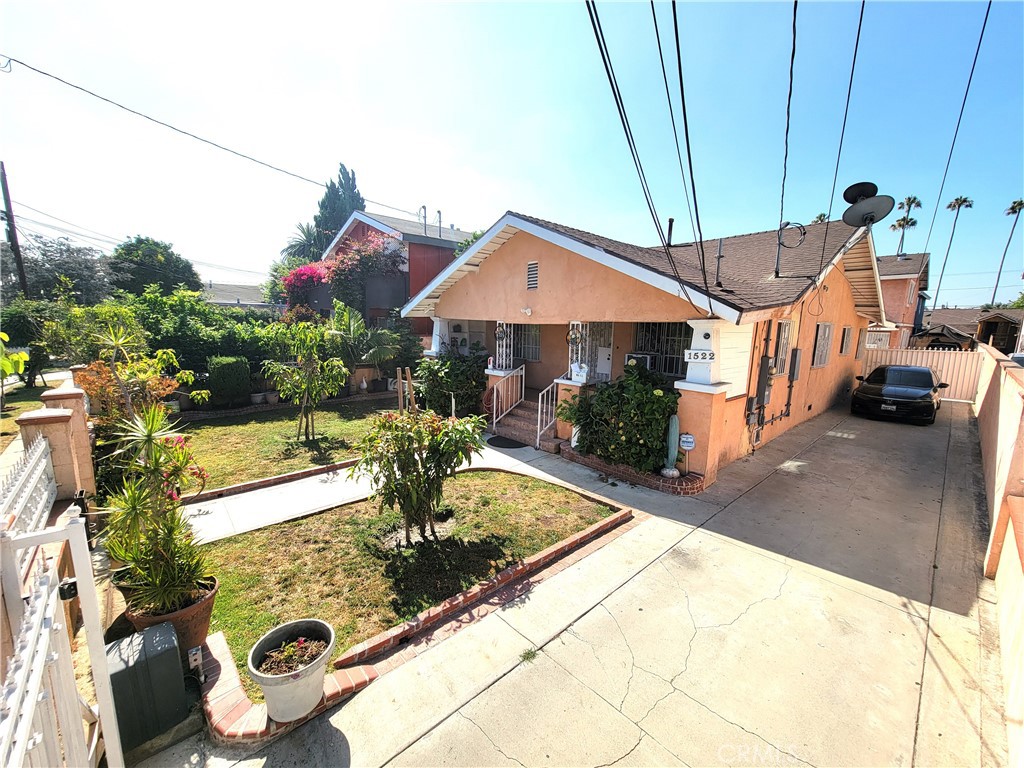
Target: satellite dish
(861,189)
(867,205)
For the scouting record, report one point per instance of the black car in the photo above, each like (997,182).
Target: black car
(903,391)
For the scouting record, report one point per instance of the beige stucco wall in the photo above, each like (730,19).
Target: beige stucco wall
(570,287)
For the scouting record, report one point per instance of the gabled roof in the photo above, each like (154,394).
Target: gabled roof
(403,229)
(746,270)
(1013,315)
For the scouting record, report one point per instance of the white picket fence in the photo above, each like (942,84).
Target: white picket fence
(957,368)
(43,720)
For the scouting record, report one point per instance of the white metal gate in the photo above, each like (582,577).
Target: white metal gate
(957,368)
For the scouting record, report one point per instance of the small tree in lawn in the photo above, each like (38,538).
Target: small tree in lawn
(313,374)
(409,456)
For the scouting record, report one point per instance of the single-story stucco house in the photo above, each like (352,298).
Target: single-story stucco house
(752,354)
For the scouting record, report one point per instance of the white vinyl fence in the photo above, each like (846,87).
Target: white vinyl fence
(957,368)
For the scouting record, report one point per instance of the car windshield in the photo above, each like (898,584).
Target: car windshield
(903,377)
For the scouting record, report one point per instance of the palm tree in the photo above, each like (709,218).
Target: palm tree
(819,219)
(956,205)
(906,221)
(1014,210)
(304,243)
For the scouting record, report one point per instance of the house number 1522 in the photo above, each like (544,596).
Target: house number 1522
(698,356)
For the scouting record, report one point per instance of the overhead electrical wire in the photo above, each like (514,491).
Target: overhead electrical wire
(62,221)
(789,105)
(672,117)
(842,137)
(956,132)
(595,23)
(689,156)
(250,158)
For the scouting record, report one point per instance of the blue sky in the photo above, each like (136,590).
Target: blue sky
(475,109)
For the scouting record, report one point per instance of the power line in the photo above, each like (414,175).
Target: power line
(183,132)
(595,23)
(63,221)
(689,156)
(956,132)
(672,117)
(839,153)
(789,104)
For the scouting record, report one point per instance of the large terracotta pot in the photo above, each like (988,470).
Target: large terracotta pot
(191,624)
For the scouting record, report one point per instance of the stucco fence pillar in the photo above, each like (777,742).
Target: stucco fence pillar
(701,411)
(73,399)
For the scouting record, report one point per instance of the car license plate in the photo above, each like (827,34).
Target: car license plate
(888,406)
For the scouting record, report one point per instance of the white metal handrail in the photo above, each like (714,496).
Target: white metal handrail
(509,392)
(546,404)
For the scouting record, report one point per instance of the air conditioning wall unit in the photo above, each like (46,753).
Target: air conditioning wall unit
(647,361)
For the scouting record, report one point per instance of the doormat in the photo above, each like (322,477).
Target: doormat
(504,442)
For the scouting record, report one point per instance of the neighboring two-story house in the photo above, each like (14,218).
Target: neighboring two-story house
(904,280)
(429,248)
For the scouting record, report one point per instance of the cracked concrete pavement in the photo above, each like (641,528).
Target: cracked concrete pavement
(820,605)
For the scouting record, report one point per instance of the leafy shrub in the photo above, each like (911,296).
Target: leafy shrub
(229,380)
(409,457)
(453,373)
(76,334)
(625,421)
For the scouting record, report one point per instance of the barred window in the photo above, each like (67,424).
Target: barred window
(526,342)
(822,345)
(782,347)
(667,342)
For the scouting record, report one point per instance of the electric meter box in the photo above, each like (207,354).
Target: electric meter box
(148,684)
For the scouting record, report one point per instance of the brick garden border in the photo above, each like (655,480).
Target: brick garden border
(688,485)
(390,638)
(203,415)
(233,718)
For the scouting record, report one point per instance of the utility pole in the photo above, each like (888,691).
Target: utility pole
(12,232)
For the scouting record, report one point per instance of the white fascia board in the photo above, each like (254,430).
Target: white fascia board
(650,277)
(445,273)
(908,276)
(347,227)
(854,239)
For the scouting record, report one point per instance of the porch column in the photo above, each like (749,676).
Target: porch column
(440,332)
(703,359)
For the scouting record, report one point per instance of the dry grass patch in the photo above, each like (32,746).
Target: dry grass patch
(17,402)
(236,449)
(335,566)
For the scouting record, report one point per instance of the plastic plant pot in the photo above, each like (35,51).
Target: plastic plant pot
(293,695)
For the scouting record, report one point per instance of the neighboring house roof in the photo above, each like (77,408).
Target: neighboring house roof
(903,266)
(229,293)
(965,320)
(746,273)
(1015,316)
(403,229)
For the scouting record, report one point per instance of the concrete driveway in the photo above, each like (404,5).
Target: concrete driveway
(819,605)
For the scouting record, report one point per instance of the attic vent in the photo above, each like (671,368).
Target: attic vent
(531,276)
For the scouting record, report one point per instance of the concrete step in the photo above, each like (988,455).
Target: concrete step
(520,421)
(551,444)
(527,437)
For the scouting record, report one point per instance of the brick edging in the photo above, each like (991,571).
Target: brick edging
(202,415)
(688,485)
(266,482)
(232,718)
(392,637)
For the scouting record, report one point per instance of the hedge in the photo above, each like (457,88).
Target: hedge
(229,380)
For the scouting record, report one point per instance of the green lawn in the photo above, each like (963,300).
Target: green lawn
(340,565)
(240,448)
(16,403)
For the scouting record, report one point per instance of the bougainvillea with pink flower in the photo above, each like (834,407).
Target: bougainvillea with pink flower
(301,281)
(347,269)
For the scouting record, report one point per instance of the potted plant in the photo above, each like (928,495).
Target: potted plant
(163,572)
(363,349)
(272,397)
(288,663)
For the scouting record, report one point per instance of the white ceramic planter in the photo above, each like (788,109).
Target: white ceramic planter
(257,398)
(292,696)
(575,439)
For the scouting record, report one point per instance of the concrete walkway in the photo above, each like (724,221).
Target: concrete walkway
(819,605)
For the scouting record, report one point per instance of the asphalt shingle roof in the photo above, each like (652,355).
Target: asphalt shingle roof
(407,227)
(230,293)
(964,320)
(747,267)
(909,264)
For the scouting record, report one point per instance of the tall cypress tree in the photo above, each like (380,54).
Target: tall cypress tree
(341,198)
